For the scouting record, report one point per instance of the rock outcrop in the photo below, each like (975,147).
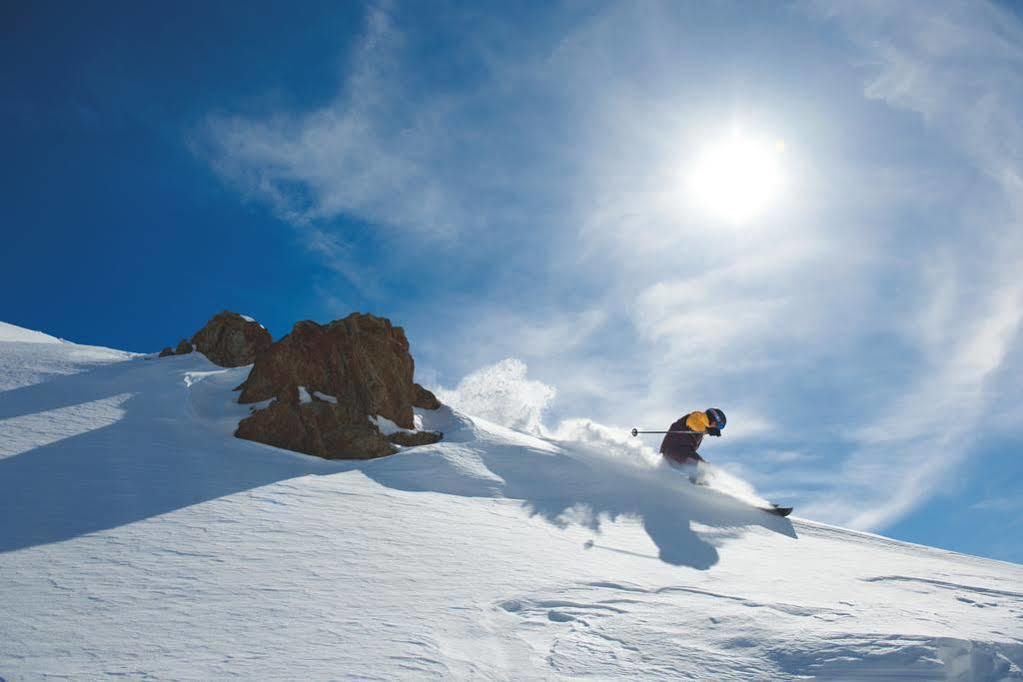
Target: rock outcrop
(424,398)
(183,348)
(411,439)
(231,340)
(326,381)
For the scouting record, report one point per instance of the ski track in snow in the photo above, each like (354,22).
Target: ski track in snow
(138,538)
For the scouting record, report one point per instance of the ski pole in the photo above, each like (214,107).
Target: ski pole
(636,432)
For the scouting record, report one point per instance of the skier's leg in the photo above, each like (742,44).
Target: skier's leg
(698,475)
(687,463)
(690,469)
(693,471)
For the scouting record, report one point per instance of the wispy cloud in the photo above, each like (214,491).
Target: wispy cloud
(371,156)
(408,156)
(960,67)
(1000,504)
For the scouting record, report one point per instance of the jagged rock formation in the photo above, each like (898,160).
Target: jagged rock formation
(326,381)
(183,348)
(231,340)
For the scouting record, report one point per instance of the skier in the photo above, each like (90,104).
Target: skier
(684,437)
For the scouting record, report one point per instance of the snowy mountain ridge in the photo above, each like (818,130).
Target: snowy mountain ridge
(138,537)
(12,334)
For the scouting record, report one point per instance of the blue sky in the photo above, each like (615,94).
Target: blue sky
(512,183)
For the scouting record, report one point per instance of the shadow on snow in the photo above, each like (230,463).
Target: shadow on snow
(570,482)
(155,458)
(158,457)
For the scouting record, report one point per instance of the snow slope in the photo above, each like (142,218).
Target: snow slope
(11,333)
(138,538)
(28,357)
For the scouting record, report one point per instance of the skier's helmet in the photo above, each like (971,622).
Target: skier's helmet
(717,416)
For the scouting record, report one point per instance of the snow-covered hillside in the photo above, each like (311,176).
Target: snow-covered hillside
(28,357)
(11,333)
(139,538)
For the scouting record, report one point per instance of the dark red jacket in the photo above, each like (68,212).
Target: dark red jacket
(679,447)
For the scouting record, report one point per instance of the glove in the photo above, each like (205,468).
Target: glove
(713,432)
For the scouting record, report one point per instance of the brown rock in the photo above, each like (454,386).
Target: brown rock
(184,348)
(230,340)
(424,399)
(362,362)
(313,428)
(166,351)
(413,438)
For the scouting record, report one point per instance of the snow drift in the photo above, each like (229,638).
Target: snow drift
(139,538)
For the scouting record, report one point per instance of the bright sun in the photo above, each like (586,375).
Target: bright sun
(738,177)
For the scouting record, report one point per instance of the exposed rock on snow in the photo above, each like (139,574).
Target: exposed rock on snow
(232,340)
(410,439)
(405,437)
(183,348)
(424,398)
(360,365)
(315,428)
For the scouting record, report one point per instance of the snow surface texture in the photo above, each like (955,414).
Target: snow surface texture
(139,538)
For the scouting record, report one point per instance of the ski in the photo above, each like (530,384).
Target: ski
(775,509)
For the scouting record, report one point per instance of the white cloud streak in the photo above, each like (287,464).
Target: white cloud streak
(359,157)
(960,67)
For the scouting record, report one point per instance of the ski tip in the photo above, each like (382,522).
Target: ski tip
(779,511)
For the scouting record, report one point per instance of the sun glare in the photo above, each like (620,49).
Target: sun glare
(737,178)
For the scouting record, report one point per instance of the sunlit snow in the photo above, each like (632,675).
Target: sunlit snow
(138,538)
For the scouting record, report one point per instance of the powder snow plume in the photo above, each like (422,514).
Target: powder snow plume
(501,393)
